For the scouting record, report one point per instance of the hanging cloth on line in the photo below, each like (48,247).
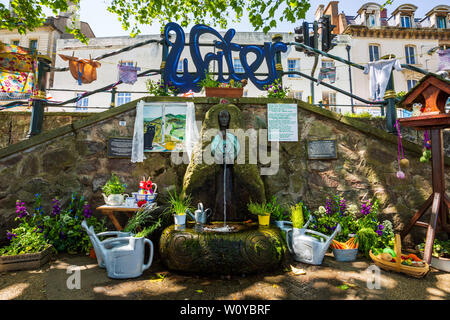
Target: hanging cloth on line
(17,72)
(444,60)
(128,74)
(327,73)
(82,70)
(379,74)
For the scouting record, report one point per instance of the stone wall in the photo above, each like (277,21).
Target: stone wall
(73,158)
(14,126)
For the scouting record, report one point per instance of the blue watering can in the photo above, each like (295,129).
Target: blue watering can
(306,248)
(123,256)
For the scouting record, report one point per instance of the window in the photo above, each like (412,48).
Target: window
(411,84)
(298,95)
(245,94)
(127,63)
(293,65)
(82,103)
(237,65)
(374,52)
(327,63)
(370,20)
(332,98)
(123,97)
(405,21)
(16,42)
(441,22)
(33,45)
(410,53)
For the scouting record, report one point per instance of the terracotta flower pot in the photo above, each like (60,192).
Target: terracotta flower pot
(224,92)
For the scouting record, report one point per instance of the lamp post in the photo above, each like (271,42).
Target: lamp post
(348,47)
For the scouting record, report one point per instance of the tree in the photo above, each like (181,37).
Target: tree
(28,15)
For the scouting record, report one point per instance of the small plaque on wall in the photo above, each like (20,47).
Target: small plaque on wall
(322,149)
(120,147)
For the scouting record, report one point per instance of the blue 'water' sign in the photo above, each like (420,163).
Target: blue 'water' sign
(187,81)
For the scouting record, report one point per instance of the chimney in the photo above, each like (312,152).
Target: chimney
(72,15)
(72,9)
(383,13)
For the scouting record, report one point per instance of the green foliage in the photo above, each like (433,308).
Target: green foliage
(147,220)
(208,82)
(260,209)
(218,13)
(113,186)
(179,202)
(60,228)
(158,88)
(29,15)
(297,217)
(64,231)
(440,248)
(279,213)
(276,90)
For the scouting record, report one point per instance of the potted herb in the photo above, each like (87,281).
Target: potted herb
(214,88)
(276,90)
(160,89)
(27,248)
(262,210)
(179,203)
(279,213)
(113,191)
(440,259)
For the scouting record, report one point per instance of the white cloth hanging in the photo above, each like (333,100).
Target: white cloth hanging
(137,149)
(379,74)
(191,133)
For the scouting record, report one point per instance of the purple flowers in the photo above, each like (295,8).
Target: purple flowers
(380,230)
(342,205)
(21,210)
(328,206)
(10,235)
(366,207)
(87,212)
(56,207)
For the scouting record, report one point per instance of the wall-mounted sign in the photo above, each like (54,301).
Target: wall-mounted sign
(119,147)
(282,122)
(322,149)
(224,53)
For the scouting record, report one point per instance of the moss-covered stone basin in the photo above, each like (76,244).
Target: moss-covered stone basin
(248,249)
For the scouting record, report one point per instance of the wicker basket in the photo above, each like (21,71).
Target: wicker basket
(418,272)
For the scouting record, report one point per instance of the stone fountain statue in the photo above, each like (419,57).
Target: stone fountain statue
(206,183)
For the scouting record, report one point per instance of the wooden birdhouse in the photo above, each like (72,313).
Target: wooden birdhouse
(430,93)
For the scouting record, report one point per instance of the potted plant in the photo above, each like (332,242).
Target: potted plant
(179,203)
(214,88)
(440,258)
(113,191)
(262,210)
(27,248)
(279,214)
(276,90)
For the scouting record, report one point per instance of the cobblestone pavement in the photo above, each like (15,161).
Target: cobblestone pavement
(331,280)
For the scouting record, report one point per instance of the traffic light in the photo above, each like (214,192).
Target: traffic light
(327,35)
(302,36)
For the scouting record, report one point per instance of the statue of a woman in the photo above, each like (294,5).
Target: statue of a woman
(225,149)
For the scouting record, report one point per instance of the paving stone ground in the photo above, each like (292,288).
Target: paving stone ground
(331,280)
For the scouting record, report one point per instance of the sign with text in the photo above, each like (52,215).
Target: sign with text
(282,123)
(322,149)
(120,147)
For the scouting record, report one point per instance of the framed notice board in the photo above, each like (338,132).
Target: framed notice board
(322,150)
(119,147)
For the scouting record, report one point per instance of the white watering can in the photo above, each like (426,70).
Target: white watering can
(306,248)
(201,216)
(122,256)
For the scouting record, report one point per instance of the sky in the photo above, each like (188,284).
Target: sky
(105,24)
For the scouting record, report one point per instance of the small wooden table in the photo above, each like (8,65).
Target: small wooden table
(109,211)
